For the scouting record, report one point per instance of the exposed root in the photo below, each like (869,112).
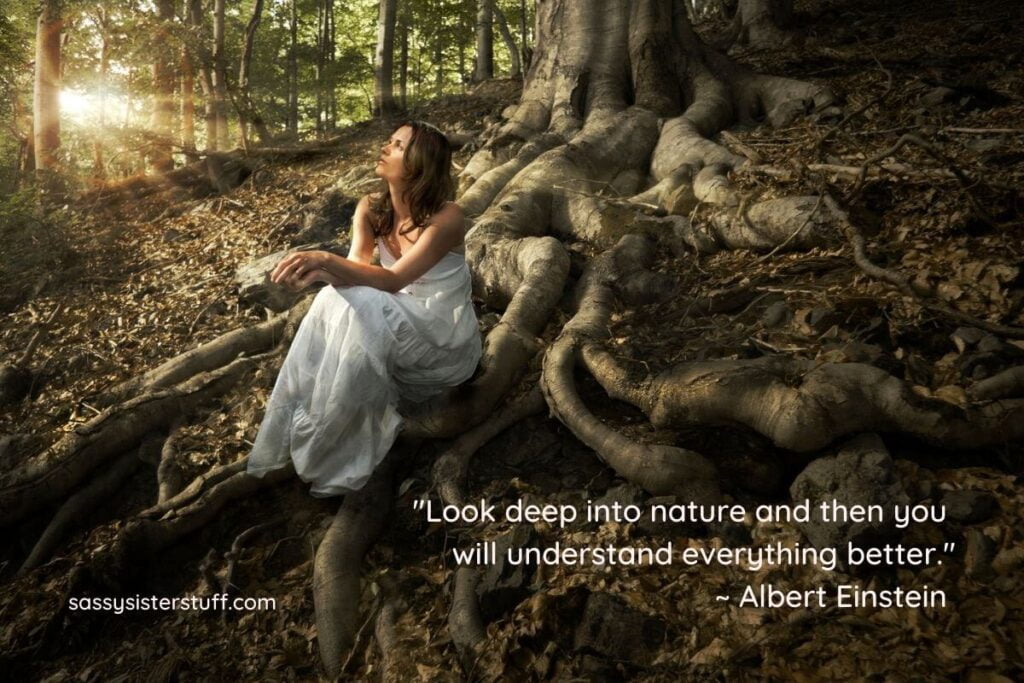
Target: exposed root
(804,405)
(338,564)
(169,476)
(387,639)
(78,506)
(141,539)
(452,468)
(660,469)
(202,483)
(236,548)
(465,622)
(1006,384)
(61,467)
(209,356)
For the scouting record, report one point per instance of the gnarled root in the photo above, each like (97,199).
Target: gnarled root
(75,508)
(338,565)
(804,405)
(465,622)
(140,539)
(387,639)
(61,467)
(660,469)
(451,469)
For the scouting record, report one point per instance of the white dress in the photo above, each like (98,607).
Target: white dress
(334,408)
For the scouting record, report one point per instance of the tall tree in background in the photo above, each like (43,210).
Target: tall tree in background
(247,113)
(516,68)
(484,41)
(293,71)
(162,113)
(198,44)
(220,71)
(102,20)
(404,28)
(188,104)
(383,63)
(46,97)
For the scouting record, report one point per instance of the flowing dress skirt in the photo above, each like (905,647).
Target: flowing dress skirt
(334,407)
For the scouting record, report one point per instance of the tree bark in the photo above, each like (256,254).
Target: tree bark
(99,170)
(220,86)
(162,113)
(246,110)
(516,68)
(46,95)
(293,72)
(484,41)
(383,64)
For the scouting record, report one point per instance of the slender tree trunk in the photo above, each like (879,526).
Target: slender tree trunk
(438,63)
(99,170)
(188,107)
(46,94)
(247,111)
(220,86)
(515,69)
(293,73)
(484,41)
(403,60)
(383,63)
(319,69)
(162,112)
(195,18)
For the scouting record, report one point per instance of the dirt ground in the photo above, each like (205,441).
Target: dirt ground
(147,279)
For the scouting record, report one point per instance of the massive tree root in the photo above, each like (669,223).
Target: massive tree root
(338,565)
(51,474)
(660,469)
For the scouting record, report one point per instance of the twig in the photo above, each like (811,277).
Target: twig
(933,152)
(926,295)
(860,110)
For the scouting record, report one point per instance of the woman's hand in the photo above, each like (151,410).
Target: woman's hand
(296,266)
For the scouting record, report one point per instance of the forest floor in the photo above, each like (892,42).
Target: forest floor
(146,280)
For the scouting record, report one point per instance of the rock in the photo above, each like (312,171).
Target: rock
(776,314)
(965,337)
(253,278)
(938,96)
(502,585)
(969,506)
(860,473)
(788,111)
(611,628)
(326,218)
(980,550)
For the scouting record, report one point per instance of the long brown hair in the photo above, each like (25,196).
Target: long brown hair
(428,164)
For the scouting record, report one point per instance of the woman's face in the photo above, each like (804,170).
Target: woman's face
(390,165)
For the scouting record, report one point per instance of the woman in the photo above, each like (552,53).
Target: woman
(403,329)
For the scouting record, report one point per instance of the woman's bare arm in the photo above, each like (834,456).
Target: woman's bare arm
(362,242)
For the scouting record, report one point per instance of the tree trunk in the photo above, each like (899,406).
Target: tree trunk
(188,107)
(162,114)
(515,69)
(403,61)
(195,20)
(438,63)
(220,72)
(46,95)
(293,72)
(247,113)
(484,41)
(383,63)
(760,24)
(99,170)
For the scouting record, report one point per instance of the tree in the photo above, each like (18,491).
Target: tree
(46,100)
(247,111)
(510,42)
(484,41)
(383,63)
(220,74)
(162,113)
(293,70)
